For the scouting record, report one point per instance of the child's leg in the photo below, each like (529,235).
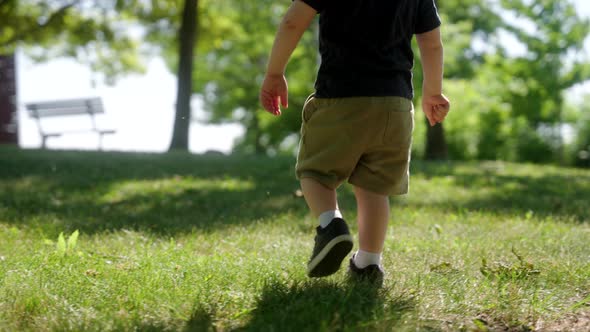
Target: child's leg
(319,198)
(333,241)
(373,217)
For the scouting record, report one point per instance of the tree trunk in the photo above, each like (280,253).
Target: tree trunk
(8,116)
(187,39)
(258,147)
(436,145)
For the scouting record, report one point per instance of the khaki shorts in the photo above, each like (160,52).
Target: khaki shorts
(366,140)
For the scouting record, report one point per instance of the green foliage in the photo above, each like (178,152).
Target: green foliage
(234,41)
(96,33)
(464,23)
(506,105)
(579,150)
(503,271)
(64,247)
(529,145)
(231,62)
(490,136)
(534,83)
(61,245)
(511,105)
(461,128)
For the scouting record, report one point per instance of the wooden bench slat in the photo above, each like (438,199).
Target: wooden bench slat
(52,135)
(65,107)
(67,103)
(43,113)
(81,131)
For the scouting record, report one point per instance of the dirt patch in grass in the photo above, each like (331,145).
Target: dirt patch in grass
(579,321)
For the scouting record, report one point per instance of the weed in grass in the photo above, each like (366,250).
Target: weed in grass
(517,289)
(443,268)
(65,247)
(503,271)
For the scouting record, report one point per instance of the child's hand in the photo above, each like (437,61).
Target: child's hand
(435,108)
(274,92)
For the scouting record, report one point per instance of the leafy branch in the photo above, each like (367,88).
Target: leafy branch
(54,17)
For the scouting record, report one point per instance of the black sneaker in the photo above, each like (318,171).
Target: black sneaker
(372,273)
(332,245)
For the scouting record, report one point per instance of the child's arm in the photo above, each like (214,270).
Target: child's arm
(274,89)
(434,104)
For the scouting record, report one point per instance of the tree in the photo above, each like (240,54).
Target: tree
(543,72)
(234,58)
(461,18)
(71,28)
(233,66)
(8,109)
(234,41)
(186,41)
(91,32)
(106,36)
(552,36)
(580,149)
(522,91)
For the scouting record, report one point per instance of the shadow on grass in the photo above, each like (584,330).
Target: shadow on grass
(176,192)
(165,193)
(201,321)
(494,188)
(325,306)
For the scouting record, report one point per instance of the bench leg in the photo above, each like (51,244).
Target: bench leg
(100,138)
(44,142)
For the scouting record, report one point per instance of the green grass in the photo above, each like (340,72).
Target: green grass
(205,243)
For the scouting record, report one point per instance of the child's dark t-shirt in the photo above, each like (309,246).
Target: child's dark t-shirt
(365,45)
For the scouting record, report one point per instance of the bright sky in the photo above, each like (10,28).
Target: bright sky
(139,107)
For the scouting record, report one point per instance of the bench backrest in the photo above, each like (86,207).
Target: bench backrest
(89,106)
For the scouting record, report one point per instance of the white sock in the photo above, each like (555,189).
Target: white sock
(363,259)
(326,217)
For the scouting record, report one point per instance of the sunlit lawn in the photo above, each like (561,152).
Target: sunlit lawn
(203,243)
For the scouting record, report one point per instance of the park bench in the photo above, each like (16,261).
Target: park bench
(63,108)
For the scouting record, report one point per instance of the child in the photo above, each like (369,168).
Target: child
(358,124)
